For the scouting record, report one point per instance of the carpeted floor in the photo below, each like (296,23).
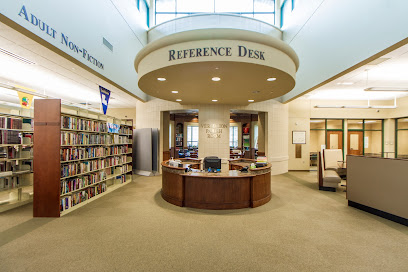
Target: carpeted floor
(134,229)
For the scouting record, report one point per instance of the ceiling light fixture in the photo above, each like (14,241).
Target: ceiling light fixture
(161,79)
(251,100)
(178,100)
(174,91)
(216,79)
(214,100)
(386,89)
(271,79)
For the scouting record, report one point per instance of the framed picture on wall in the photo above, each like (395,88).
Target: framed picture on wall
(298,137)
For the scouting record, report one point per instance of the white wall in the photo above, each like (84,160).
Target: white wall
(330,36)
(86,23)
(148,116)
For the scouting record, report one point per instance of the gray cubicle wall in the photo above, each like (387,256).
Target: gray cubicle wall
(380,184)
(146,151)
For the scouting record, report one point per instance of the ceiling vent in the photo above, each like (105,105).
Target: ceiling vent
(17,57)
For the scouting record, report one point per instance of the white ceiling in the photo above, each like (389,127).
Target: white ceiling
(51,74)
(390,70)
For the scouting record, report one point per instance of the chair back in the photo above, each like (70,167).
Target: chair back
(331,157)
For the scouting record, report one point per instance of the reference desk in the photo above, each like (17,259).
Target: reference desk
(216,191)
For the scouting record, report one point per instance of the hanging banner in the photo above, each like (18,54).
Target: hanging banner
(25,99)
(105,94)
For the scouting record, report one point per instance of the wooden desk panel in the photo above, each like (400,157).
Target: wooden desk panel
(216,191)
(217,194)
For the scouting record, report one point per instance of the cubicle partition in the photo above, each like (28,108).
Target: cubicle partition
(379,186)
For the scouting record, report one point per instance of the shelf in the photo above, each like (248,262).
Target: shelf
(13,189)
(1,145)
(17,173)
(20,130)
(81,174)
(93,158)
(14,204)
(82,159)
(82,117)
(87,131)
(118,144)
(118,154)
(83,145)
(96,183)
(15,115)
(16,159)
(111,189)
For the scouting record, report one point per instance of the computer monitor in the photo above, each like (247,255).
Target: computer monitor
(213,162)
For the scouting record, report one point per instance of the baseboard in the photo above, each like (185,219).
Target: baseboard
(328,189)
(389,216)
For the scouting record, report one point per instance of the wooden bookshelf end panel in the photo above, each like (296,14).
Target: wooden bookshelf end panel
(47,124)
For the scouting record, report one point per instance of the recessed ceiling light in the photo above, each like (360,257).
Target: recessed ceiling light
(216,68)
(161,79)
(256,91)
(345,83)
(178,100)
(251,100)
(174,91)
(216,79)
(214,100)
(271,79)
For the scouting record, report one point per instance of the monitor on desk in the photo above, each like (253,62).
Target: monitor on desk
(212,162)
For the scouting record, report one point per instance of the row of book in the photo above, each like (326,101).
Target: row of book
(76,123)
(68,154)
(125,130)
(71,138)
(81,196)
(81,153)
(112,161)
(117,139)
(77,183)
(11,123)
(76,168)
(121,179)
(9,183)
(10,137)
(117,149)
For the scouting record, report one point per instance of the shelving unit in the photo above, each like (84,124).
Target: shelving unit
(16,159)
(79,160)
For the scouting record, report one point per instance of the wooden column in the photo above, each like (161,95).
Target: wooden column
(262,133)
(47,167)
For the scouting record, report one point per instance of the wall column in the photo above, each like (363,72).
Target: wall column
(213,131)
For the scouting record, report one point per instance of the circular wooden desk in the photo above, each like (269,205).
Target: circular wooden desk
(216,191)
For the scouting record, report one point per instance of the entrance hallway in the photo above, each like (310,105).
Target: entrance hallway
(134,229)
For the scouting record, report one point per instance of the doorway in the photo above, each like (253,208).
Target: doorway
(355,143)
(334,139)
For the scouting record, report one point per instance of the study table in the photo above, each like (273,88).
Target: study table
(231,189)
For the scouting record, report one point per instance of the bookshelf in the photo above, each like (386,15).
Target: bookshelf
(81,156)
(16,158)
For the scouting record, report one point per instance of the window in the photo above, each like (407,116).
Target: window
(259,9)
(192,136)
(143,7)
(286,9)
(233,137)
(401,138)
(256,136)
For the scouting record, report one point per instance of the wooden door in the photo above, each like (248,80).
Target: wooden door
(334,139)
(355,143)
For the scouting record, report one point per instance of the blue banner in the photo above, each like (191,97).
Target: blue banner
(105,94)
